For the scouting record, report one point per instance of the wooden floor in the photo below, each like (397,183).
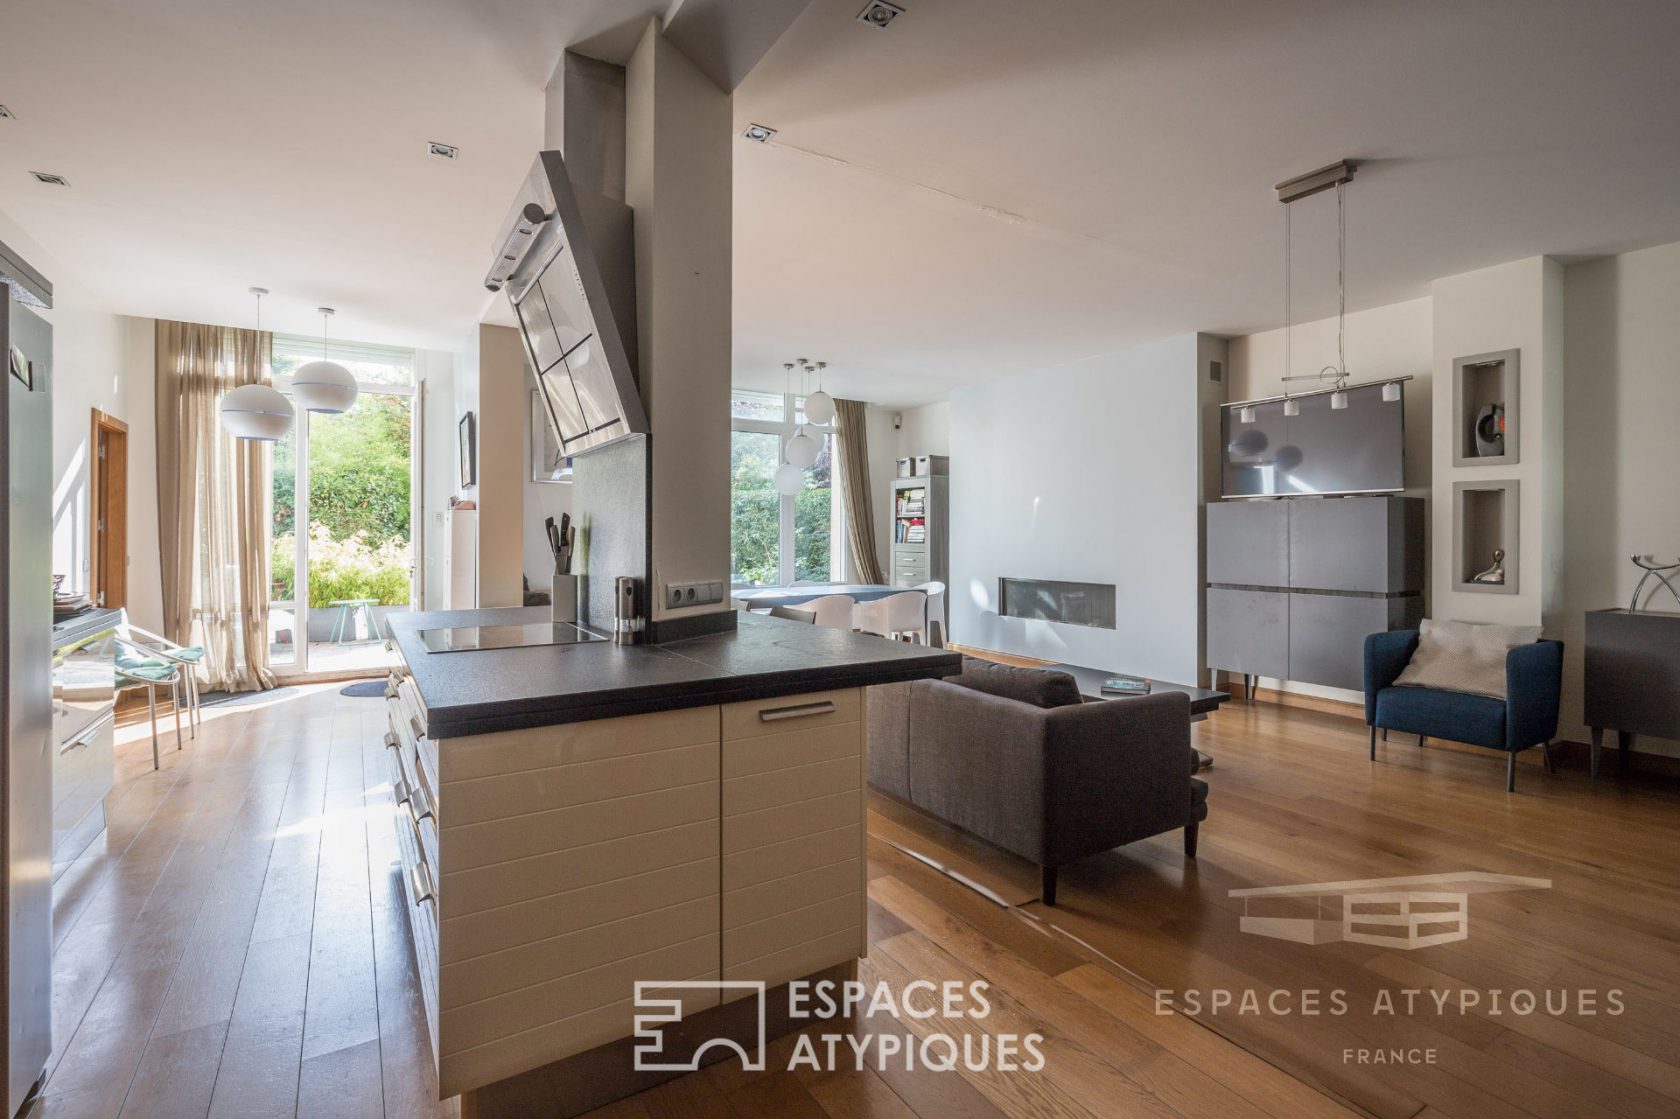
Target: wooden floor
(236,943)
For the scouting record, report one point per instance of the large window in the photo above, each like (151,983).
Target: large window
(773,538)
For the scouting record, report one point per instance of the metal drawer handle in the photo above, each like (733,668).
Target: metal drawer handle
(418,730)
(399,785)
(87,733)
(419,806)
(421,882)
(414,822)
(798,711)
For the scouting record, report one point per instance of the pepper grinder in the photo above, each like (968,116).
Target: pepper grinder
(627,624)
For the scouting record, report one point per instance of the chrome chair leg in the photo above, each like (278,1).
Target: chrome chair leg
(175,702)
(151,708)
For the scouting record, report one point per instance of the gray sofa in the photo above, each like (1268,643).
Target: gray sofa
(1015,757)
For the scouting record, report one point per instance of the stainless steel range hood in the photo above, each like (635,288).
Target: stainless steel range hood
(566,259)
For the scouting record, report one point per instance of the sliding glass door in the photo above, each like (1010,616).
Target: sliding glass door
(344,494)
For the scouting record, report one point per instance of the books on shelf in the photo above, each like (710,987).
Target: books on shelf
(1125,685)
(910,531)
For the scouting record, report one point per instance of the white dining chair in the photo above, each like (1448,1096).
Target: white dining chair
(793,613)
(833,611)
(897,615)
(935,634)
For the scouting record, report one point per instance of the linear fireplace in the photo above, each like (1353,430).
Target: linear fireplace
(1049,600)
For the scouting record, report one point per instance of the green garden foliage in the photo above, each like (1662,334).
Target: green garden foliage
(359,527)
(755,514)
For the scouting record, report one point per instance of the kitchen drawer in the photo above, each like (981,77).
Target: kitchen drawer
(791,714)
(82,775)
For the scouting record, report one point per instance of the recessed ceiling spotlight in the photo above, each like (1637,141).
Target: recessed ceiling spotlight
(445,151)
(50,179)
(879,13)
(7,114)
(758,133)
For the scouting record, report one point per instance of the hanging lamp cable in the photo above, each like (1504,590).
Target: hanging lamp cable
(1288,354)
(1341,283)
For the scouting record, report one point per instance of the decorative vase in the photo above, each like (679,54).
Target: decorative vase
(1490,431)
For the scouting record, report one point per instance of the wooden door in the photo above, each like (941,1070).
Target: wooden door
(108,532)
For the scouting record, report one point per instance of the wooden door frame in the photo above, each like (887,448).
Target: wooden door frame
(113,508)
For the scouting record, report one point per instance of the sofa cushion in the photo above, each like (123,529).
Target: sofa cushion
(1463,656)
(1037,686)
(1454,716)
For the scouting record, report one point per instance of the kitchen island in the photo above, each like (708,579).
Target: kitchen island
(576,818)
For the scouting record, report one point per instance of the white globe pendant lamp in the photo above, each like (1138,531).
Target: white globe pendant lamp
(801,450)
(819,406)
(256,411)
(789,479)
(324,386)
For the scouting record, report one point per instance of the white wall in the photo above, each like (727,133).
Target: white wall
(1621,399)
(1509,306)
(100,360)
(1087,472)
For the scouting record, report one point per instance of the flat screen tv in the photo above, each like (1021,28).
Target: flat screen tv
(1323,450)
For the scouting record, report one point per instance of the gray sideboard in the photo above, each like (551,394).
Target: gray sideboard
(1632,681)
(1294,585)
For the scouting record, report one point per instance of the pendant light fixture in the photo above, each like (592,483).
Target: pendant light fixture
(1336,175)
(788,479)
(324,386)
(801,450)
(256,411)
(819,406)
(1291,406)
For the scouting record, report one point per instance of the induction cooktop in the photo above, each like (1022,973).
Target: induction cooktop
(462,639)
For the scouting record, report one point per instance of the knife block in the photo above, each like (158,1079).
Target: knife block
(565,598)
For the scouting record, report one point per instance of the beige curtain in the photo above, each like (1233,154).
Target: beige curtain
(213,503)
(853,440)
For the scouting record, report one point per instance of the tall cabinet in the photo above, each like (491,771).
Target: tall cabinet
(921,526)
(1294,585)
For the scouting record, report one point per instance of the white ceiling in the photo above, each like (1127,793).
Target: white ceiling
(990,186)
(212,145)
(982,188)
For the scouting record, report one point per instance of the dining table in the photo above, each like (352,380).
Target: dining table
(762,598)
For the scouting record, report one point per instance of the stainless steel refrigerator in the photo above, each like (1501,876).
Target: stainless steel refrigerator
(26,669)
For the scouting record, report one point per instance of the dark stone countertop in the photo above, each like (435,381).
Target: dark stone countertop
(477,691)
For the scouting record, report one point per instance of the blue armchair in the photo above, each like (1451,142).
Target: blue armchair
(1527,716)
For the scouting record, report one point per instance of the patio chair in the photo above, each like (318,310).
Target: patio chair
(137,668)
(187,656)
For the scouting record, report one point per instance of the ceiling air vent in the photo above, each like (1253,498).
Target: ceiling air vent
(444,151)
(50,179)
(879,13)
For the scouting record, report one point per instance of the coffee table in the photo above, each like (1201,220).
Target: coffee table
(1202,700)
